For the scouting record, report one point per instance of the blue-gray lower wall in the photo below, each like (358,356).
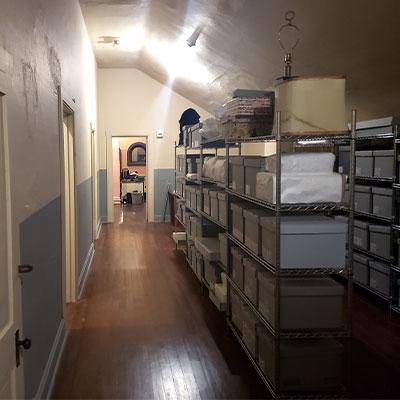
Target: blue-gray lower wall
(42,308)
(102,195)
(162,178)
(42,303)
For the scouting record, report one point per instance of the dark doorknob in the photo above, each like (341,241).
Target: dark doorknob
(24,269)
(26,343)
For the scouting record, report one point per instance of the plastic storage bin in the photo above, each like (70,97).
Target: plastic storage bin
(236,166)
(315,303)
(222,207)
(206,201)
(382,201)
(223,248)
(379,240)
(252,229)
(252,165)
(251,270)
(362,198)
(250,324)
(364,163)
(237,221)
(383,163)
(379,277)
(237,267)
(306,242)
(361,269)
(313,365)
(361,234)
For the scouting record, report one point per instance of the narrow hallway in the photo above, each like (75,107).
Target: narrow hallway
(143,329)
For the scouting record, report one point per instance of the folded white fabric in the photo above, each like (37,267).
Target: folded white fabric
(296,163)
(301,188)
(210,128)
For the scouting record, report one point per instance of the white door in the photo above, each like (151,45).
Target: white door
(69,206)
(11,377)
(94,181)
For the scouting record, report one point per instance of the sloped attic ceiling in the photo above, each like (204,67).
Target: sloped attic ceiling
(239,47)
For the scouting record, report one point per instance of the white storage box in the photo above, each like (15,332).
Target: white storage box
(208,247)
(222,199)
(192,191)
(214,204)
(301,188)
(315,104)
(364,163)
(223,248)
(314,365)
(252,165)
(252,229)
(236,175)
(299,163)
(315,303)
(382,201)
(306,242)
(383,163)
(237,221)
(379,240)
(251,271)
(236,311)
(380,277)
(361,234)
(237,269)
(206,201)
(198,199)
(250,324)
(361,269)
(362,198)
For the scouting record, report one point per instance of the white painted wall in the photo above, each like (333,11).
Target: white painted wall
(130,102)
(44,43)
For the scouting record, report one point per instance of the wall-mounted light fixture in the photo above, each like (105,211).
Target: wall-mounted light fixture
(192,39)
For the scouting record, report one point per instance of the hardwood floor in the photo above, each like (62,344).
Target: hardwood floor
(143,329)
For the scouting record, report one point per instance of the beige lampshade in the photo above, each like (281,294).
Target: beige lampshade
(312,105)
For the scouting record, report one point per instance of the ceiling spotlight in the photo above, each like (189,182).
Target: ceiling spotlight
(192,39)
(114,40)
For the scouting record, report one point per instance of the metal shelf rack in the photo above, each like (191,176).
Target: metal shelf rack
(372,138)
(279,209)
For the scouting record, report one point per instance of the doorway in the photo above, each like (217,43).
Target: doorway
(69,203)
(129,166)
(11,379)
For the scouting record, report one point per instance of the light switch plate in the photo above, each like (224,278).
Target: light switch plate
(159,134)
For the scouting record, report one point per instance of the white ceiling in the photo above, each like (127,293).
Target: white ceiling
(239,46)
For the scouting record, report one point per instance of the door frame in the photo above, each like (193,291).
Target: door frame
(7,341)
(93,159)
(69,280)
(109,151)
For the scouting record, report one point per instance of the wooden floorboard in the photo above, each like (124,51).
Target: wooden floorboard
(144,330)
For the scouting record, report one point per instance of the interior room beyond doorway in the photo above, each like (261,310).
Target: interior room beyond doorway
(129,170)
